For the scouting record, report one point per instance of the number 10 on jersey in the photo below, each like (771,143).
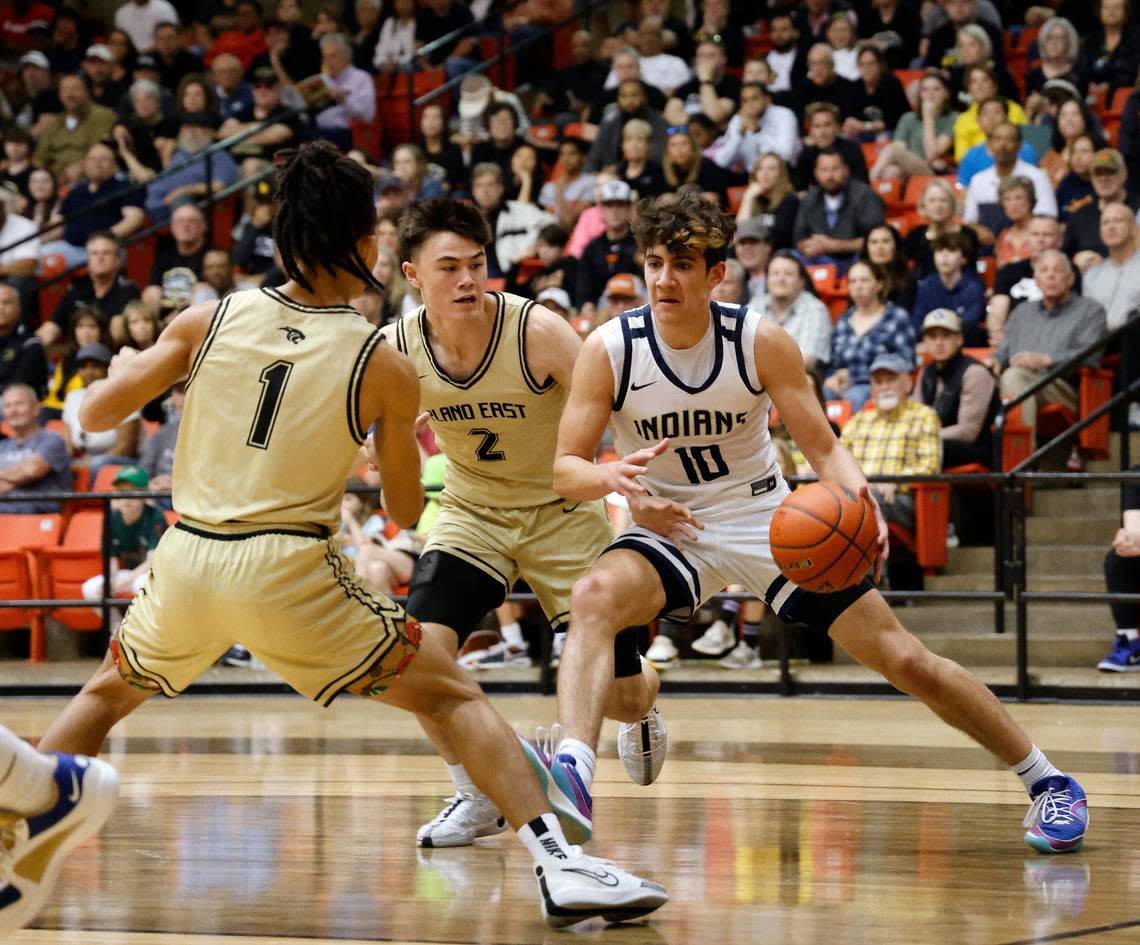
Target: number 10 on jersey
(702,463)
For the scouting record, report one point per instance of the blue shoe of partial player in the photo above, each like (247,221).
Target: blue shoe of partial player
(1124,658)
(33,849)
(574,816)
(1058,815)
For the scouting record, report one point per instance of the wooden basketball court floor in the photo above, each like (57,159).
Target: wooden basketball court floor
(269,821)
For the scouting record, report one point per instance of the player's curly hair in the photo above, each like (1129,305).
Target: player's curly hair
(684,222)
(324,209)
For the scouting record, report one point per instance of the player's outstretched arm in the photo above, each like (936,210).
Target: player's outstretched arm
(781,370)
(584,419)
(391,394)
(135,379)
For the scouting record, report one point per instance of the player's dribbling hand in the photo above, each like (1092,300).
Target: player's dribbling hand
(421,422)
(622,475)
(121,357)
(665,517)
(881,557)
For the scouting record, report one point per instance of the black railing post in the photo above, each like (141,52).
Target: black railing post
(1001,502)
(787,683)
(104,607)
(1017,573)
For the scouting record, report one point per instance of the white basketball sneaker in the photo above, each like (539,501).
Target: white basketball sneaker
(582,887)
(642,747)
(464,817)
(717,640)
(32,850)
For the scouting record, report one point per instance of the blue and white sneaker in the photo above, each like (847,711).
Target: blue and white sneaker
(32,850)
(1124,658)
(573,813)
(1058,815)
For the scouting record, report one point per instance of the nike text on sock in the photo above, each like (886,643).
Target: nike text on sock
(1033,768)
(584,759)
(544,839)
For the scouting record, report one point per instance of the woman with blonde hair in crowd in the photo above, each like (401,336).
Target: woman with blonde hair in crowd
(684,164)
(938,206)
(770,196)
(923,138)
(141,324)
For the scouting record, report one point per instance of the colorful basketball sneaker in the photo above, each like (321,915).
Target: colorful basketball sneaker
(642,747)
(464,817)
(582,887)
(1124,658)
(1058,815)
(567,795)
(32,850)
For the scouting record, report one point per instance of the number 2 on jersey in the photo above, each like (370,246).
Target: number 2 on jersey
(702,463)
(486,450)
(273,381)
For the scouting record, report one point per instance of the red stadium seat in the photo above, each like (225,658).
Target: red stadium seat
(735,199)
(890,189)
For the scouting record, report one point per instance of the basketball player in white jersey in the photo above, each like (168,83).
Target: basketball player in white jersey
(494,372)
(686,385)
(282,386)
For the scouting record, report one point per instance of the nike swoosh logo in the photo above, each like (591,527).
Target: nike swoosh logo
(605,878)
(570,508)
(74,795)
(641,386)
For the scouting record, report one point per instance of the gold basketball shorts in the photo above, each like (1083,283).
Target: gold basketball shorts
(289,597)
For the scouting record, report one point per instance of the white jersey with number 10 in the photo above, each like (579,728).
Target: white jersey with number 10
(708,401)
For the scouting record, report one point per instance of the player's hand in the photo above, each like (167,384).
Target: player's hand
(1126,544)
(881,557)
(122,356)
(665,517)
(421,422)
(621,476)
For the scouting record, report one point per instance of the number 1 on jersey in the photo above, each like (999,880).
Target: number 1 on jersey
(273,381)
(702,463)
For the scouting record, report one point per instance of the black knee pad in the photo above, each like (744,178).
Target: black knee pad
(627,651)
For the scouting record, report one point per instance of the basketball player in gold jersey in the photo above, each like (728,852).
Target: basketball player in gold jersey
(494,371)
(282,386)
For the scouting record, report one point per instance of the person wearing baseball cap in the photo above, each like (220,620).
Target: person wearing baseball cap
(612,252)
(960,389)
(557,300)
(1082,241)
(898,438)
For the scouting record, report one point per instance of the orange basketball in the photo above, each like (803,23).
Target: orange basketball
(823,537)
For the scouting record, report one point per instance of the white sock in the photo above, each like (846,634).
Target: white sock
(559,642)
(27,778)
(462,780)
(1131,633)
(544,839)
(512,635)
(584,758)
(1035,767)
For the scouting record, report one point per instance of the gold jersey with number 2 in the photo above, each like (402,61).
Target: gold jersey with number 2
(271,424)
(498,427)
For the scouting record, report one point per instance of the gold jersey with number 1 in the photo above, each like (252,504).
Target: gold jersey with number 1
(256,443)
(498,427)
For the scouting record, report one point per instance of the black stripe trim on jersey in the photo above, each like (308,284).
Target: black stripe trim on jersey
(531,380)
(401,338)
(488,569)
(737,336)
(488,355)
(278,296)
(132,659)
(215,324)
(356,426)
(680,602)
(241,536)
(627,346)
(663,365)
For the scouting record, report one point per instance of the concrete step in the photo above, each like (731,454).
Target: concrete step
(1113,461)
(1045,560)
(1076,621)
(1098,501)
(984,581)
(1071,529)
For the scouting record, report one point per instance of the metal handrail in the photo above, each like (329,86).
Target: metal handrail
(213,149)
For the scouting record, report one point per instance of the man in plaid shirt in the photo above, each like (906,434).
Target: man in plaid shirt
(898,437)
